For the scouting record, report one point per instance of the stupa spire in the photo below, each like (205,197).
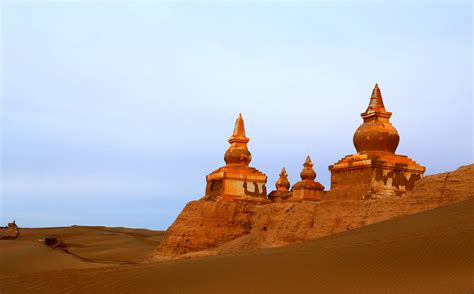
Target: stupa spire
(376,106)
(239,128)
(238,152)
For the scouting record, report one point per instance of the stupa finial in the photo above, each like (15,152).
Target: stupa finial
(238,152)
(376,101)
(239,129)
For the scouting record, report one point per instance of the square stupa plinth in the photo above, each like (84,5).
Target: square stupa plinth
(237,182)
(374,174)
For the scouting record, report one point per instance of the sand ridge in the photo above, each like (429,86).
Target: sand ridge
(88,246)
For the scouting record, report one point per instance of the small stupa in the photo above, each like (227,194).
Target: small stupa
(282,185)
(307,188)
(12,232)
(375,170)
(236,180)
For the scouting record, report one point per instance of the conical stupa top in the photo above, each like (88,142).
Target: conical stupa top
(239,130)
(282,183)
(238,152)
(308,172)
(376,102)
(376,133)
(308,162)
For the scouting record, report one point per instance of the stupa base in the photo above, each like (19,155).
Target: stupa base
(374,174)
(236,182)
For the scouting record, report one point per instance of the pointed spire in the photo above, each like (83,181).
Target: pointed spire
(376,102)
(308,172)
(238,152)
(282,184)
(239,130)
(307,162)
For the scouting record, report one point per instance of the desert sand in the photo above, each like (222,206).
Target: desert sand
(89,247)
(427,252)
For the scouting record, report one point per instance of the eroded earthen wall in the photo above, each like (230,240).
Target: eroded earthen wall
(394,181)
(351,183)
(372,182)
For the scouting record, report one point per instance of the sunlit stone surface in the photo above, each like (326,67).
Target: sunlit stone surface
(375,170)
(236,180)
(367,187)
(282,185)
(307,188)
(12,232)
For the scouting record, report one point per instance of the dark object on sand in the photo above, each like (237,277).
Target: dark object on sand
(54,242)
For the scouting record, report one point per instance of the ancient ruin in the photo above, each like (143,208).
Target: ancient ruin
(282,186)
(12,232)
(373,185)
(307,188)
(375,170)
(236,180)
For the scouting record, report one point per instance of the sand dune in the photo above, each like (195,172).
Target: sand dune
(20,256)
(428,252)
(88,246)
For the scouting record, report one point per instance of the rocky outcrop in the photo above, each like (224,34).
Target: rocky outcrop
(203,225)
(12,232)
(212,227)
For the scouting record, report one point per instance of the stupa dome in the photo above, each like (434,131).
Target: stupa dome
(282,184)
(376,133)
(308,172)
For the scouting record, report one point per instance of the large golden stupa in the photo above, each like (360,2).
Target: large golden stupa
(375,170)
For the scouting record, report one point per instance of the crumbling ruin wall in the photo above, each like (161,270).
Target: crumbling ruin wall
(351,184)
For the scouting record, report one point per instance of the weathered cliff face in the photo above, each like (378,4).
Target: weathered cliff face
(203,225)
(209,227)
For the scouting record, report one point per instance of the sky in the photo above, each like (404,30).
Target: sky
(112,113)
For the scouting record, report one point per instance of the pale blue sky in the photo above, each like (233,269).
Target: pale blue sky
(114,113)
